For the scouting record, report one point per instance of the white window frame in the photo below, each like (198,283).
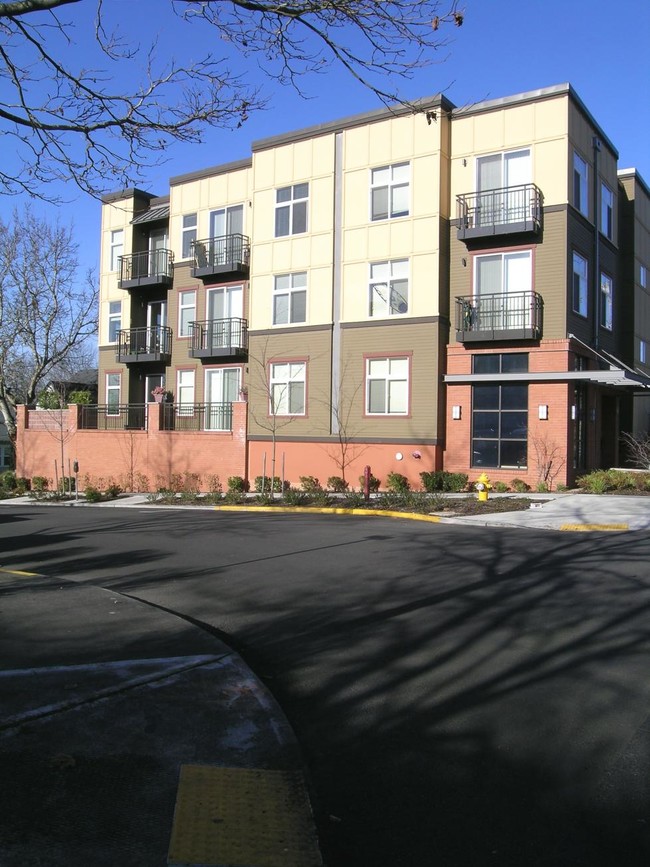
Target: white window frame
(114,319)
(289,286)
(113,386)
(396,377)
(185,308)
(580,184)
(298,196)
(282,376)
(606,301)
(188,234)
(185,390)
(116,249)
(582,308)
(606,211)
(383,292)
(384,178)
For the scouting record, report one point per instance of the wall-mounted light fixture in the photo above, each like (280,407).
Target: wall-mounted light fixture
(456,412)
(464,261)
(543,412)
(574,413)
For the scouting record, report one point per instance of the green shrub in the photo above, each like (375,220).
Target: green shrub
(353,500)
(500,487)
(92,494)
(295,497)
(561,488)
(408,501)
(265,499)
(67,485)
(310,484)
(603,481)
(113,491)
(321,499)
(214,485)
(8,480)
(79,397)
(520,486)
(373,484)
(48,399)
(234,498)
(263,483)
(22,485)
(237,485)
(443,481)
(542,488)
(337,484)
(40,484)
(397,483)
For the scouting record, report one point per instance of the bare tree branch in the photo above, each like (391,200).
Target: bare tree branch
(104,127)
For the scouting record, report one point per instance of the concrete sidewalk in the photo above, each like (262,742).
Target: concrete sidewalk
(130,737)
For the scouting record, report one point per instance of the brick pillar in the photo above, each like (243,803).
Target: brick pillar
(22,422)
(154,417)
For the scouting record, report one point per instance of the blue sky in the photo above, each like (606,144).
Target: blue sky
(504,47)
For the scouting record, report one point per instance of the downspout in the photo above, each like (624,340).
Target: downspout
(597,145)
(337,257)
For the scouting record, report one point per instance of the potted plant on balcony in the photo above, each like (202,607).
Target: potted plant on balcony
(161,395)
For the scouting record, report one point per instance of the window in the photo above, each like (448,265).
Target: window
(291,210)
(580,184)
(186,312)
(643,276)
(501,180)
(606,211)
(6,456)
(185,392)
(500,413)
(642,351)
(389,288)
(579,284)
(114,320)
(117,248)
(113,393)
(290,298)
(188,235)
(502,291)
(387,386)
(389,191)
(606,301)
(287,387)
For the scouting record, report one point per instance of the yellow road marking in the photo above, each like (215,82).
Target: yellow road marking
(22,574)
(414,516)
(585,528)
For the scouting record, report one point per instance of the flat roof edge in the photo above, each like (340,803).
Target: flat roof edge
(211,171)
(634,173)
(130,193)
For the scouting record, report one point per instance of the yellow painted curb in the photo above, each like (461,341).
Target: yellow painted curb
(413,516)
(586,528)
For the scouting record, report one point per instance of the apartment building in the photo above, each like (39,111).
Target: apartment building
(459,288)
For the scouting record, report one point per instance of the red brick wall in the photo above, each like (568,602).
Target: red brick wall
(136,459)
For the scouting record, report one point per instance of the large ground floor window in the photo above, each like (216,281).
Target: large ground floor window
(500,413)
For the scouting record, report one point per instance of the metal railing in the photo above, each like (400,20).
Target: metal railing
(221,251)
(131,416)
(217,335)
(519,205)
(135,342)
(511,311)
(197,417)
(150,264)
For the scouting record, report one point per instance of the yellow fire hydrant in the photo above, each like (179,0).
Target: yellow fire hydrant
(483,487)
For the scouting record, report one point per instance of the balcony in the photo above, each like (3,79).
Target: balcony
(144,344)
(508,211)
(225,256)
(219,338)
(509,316)
(150,268)
(113,417)
(197,417)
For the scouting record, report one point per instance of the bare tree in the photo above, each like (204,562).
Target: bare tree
(637,447)
(46,314)
(549,459)
(103,126)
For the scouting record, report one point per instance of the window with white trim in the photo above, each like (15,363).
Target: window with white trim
(116,249)
(291,210)
(606,211)
(580,199)
(290,298)
(114,320)
(287,388)
(606,301)
(186,311)
(389,191)
(389,288)
(185,392)
(113,381)
(188,235)
(580,299)
(387,386)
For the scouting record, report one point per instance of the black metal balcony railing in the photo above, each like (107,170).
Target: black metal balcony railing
(507,316)
(113,417)
(144,344)
(214,338)
(197,416)
(149,268)
(225,254)
(500,212)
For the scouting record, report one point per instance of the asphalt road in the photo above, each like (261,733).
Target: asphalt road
(463,696)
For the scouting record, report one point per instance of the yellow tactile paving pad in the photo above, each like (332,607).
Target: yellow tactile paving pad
(585,528)
(239,817)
